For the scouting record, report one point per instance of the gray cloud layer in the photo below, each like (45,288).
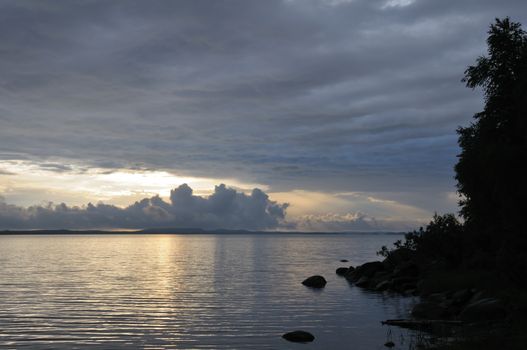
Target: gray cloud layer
(286,93)
(225,208)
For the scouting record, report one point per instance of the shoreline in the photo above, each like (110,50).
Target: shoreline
(456,309)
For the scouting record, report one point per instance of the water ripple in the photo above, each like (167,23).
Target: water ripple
(186,292)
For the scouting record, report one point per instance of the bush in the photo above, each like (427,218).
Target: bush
(441,239)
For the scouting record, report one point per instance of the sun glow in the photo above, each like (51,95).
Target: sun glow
(25,182)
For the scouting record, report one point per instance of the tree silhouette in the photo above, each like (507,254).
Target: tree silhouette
(490,171)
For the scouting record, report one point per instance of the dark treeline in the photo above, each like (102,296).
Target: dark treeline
(489,173)
(473,271)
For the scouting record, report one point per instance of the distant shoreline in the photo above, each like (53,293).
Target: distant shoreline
(185,231)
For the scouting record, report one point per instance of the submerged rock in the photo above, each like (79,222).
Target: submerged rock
(299,337)
(315,282)
(341,271)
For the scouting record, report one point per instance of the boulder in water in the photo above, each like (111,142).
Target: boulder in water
(341,271)
(315,282)
(299,337)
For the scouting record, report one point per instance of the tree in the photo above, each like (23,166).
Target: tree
(490,171)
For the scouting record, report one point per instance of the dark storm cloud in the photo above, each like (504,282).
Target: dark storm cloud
(225,208)
(364,94)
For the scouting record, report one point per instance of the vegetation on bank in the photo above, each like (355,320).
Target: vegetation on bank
(474,269)
(489,173)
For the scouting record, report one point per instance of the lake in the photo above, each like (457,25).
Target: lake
(203,291)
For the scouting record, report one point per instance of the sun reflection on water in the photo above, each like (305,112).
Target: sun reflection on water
(184,291)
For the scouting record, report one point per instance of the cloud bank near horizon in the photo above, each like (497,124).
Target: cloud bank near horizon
(225,208)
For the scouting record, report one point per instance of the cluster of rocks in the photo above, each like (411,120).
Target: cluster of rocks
(399,273)
(466,305)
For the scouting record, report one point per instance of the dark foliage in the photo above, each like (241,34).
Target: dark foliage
(489,172)
(494,148)
(441,239)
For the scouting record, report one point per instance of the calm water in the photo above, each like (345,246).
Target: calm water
(188,292)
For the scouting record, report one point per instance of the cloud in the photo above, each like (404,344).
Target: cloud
(350,222)
(225,208)
(364,94)
(56,167)
(283,91)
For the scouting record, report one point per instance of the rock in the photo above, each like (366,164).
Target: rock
(344,260)
(382,286)
(299,337)
(369,269)
(389,344)
(350,272)
(315,282)
(363,282)
(484,310)
(428,310)
(382,275)
(341,271)
(351,276)
(399,284)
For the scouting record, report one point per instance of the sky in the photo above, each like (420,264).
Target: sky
(326,115)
